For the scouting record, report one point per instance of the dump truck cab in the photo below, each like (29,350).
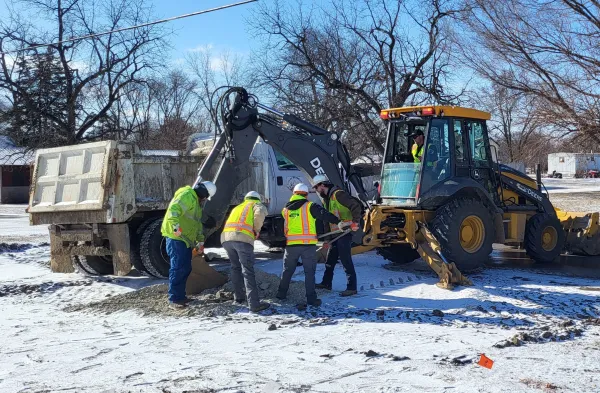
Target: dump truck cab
(454,154)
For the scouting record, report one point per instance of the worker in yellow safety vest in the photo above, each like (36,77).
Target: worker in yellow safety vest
(300,230)
(239,233)
(183,229)
(349,210)
(417,147)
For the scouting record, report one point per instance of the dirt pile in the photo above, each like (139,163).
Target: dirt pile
(152,300)
(43,288)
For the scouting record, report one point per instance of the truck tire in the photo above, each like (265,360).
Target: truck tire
(153,250)
(544,238)
(135,242)
(93,265)
(465,231)
(399,254)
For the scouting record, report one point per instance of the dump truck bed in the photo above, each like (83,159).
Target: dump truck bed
(104,182)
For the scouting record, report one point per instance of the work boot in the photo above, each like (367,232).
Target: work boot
(261,306)
(316,303)
(177,304)
(349,292)
(187,300)
(323,286)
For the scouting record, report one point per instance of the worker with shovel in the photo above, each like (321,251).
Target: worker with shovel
(300,229)
(349,211)
(183,229)
(241,229)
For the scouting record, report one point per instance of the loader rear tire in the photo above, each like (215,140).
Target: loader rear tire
(465,230)
(153,250)
(93,265)
(399,254)
(544,238)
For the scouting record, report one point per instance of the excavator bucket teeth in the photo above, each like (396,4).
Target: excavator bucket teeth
(430,251)
(203,277)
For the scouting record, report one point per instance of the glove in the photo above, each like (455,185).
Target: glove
(200,248)
(325,246)
(344,225)
(354,226)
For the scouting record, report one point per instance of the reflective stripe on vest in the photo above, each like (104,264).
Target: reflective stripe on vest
(300,229)
(241,219)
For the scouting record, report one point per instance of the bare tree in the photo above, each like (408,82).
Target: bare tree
(515,125)
(548,50)
(345,62)
(96,71)
(213,71)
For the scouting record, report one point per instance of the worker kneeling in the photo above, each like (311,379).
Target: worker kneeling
(300,217)
(183,229)
(241,229)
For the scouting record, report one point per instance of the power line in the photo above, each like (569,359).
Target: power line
(130,27)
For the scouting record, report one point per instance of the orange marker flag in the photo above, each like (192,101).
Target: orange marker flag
(486,362)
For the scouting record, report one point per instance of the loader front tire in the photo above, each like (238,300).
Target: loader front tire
(93,265)
(153,250)
(544,238)
(465,230)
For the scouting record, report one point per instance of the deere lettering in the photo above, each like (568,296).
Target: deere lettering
(316,163)
(529,192)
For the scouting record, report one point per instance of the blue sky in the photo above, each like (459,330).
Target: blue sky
(223,30)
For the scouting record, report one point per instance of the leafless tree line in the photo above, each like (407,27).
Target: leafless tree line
(335,63)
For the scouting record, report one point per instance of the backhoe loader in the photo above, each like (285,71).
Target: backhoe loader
(448,206)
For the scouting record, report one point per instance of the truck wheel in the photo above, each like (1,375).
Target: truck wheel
(135,242)
(153,250)
(399,254)
(93,265)
(544,237)
(465,231)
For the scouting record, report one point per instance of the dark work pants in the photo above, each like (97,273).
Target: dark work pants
(181,267)
(241,256)
(341,249)
(308,254)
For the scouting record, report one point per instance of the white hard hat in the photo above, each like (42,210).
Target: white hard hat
(253,194)
(301,187)
(320,179)
(211,188)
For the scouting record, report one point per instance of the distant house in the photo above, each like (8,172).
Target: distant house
(572,164)
(15,170)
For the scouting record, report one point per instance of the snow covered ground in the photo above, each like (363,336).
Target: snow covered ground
(400,334)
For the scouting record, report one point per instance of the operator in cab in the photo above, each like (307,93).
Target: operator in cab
(241,230)
(417,147)
(183,229)
(300,227)
(349,211)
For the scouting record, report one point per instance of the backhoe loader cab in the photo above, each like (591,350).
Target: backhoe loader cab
(442,193)
(428,146)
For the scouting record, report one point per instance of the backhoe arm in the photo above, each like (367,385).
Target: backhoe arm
(312,149)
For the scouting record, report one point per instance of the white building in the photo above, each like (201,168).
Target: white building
(571,164)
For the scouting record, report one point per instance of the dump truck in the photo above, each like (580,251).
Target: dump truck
(104,202)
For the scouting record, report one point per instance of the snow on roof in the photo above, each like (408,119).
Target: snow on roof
(10,154)
(172,153)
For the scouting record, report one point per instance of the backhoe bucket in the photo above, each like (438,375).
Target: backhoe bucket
(430,251)
(203,277)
